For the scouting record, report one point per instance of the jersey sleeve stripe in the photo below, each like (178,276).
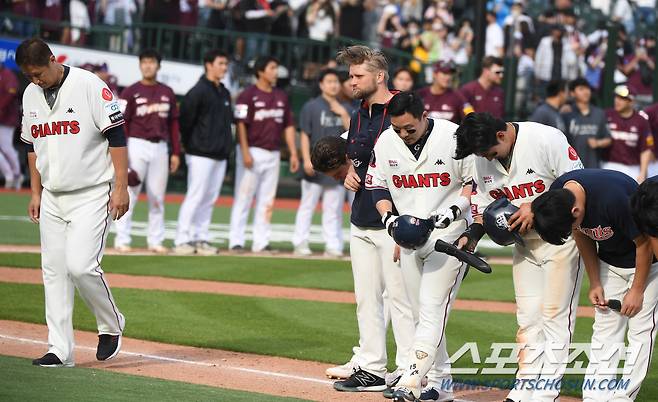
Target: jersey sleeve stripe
(26,141)
(376,188)
(111,126)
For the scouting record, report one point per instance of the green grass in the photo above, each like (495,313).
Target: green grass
(316,274)
(20,381)
(315,331)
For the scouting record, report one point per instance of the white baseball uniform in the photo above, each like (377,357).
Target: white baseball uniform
(76,174)
(546,277)
(418,187)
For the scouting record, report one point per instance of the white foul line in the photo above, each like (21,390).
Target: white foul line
(174,360)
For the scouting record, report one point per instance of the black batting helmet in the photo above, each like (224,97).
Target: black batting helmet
(495,219)
(411,232)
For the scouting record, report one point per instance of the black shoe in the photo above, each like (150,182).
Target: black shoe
(433,394)
(237,249)
(361,381)
(403,394)
(508,400)
(50,360)
(108,346)
(388,393)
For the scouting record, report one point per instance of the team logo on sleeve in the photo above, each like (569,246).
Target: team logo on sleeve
(573,155)
(107,94)
(241,111)
(116,117)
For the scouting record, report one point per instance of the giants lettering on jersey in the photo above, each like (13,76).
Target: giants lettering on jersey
(519,191)
(421,180)
(598,233)
(55,128)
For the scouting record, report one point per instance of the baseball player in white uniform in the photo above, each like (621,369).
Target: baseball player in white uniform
(520,161)
(413,168)
(78,168)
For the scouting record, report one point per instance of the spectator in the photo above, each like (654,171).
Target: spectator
(151,117)
(586,125)
(435,41)
(263,114)
(440,9)
(632,141)
(350,19)
(639,69)
(651,114)
(390,27)
(403,79)
(80,23)
(549,112)
(411,39)
(206,118)
(320,117)
(461,43)
(518,27)
(646,12)
(10,166)
(622,12)
(321,19)
(26,8)
(441,101)
(495,39)
(118,13)
(214,14)
(555,59)
(595,61)
(485,93)
(258,16)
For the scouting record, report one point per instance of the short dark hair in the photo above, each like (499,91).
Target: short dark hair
(553,219)
(405,70)
(150,54)
(212,54)
(261,63)
(327,71)
(33,52)
(477,133)
(406,102)
(329,153)
(579,82)
(489,61)
(554,88)
(644,207)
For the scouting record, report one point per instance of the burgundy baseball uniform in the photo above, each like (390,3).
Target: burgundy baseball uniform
(151,113)
(266,115)
(651,114)
(8,98)
(630,137)
(449,105)
(482,100)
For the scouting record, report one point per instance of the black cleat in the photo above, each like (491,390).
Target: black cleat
(403,394)
(361,381)
(108,346)
(50,360)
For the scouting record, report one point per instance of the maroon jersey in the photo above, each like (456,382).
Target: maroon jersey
(482,100)
(630,137)
(651,114)
(266,115)
(449,105)
(635,82)
(151,113)
(8,98)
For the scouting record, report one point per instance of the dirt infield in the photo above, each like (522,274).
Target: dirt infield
(217,368)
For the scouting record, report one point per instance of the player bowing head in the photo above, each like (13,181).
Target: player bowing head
(329,156)
(556,215)
(644,204)
(38,64)
(486,136)
(408,117)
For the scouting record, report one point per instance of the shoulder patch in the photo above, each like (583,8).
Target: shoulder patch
(107,94)
(573,155)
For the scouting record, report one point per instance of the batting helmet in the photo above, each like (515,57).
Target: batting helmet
(411,232)
(495,219)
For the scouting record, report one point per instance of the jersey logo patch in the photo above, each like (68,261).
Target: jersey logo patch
(439,162)
(70,110)
(107,94)
(488,179)
(393,163)
(598,233)
(573,155)
(530,171)
(116,117)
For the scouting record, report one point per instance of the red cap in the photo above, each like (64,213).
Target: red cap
(446,67)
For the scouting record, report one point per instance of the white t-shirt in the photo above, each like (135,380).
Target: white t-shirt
(72,152)
(494,40)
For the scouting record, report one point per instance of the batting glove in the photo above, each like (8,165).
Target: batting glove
(388,220)
(444,217)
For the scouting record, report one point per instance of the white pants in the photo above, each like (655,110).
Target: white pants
(374,271)
(333,199)
(630,170)
(150,160)
(74,227)
(9,167)
(204,181)
(610,329)
(432,280)
(653,169)
(547,281)
(260,181)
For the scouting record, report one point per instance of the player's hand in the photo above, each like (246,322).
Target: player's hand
(593,143)
(308,168)
(641,178)
(464,243)
(352,180)
(174,163)
(337,108)
(396,253)
(444,217)
(522,219)
(294,164)
(119,202)
(247,160)
(597,297)
(34,208)
(632,303)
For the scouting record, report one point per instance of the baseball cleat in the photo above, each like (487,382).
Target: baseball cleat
(403,394)
(433,394)
(361,381)
(184,249)
(302,251)
(388,393)
(343,371)
(50,360)
(330,253)
(237,249)
(108,346)
(205,248)
(159,249)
